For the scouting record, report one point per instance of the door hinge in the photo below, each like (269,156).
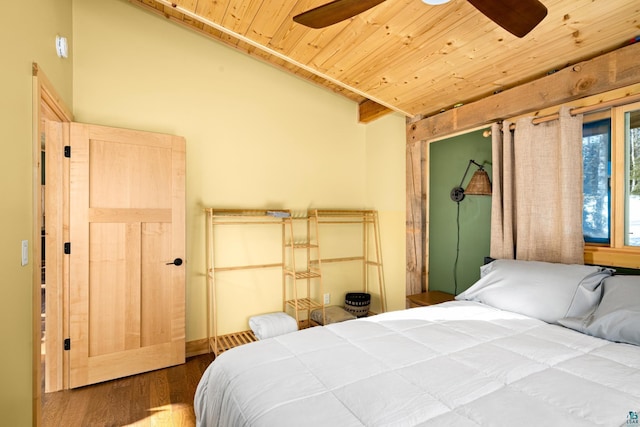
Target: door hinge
(67,151)
(67,344)
(67,248)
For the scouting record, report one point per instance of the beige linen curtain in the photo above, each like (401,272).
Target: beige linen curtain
(536,209)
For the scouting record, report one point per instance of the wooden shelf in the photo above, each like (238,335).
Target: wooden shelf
(308,274)
(303,304)
(371,253)
(300,244)
(245,214)
(236,218)
(223,343)
(303,271)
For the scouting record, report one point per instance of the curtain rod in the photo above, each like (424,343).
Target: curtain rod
(587,109)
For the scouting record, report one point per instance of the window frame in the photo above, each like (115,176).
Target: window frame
(616,253)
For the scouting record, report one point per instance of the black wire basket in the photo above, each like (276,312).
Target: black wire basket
(357,303)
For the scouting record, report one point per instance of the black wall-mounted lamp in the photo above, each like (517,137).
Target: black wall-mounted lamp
(479,185)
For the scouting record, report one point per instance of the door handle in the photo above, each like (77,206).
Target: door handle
(177,261)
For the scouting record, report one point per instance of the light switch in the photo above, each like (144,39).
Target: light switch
(62,47)
(25,252)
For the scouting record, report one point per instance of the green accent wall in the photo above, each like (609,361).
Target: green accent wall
(448,160)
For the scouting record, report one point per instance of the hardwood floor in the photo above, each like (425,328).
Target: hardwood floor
(158,398)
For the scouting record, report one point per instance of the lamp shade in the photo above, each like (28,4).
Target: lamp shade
(479,185)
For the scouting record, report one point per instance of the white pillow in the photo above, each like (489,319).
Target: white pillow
(544,290)
(617,317)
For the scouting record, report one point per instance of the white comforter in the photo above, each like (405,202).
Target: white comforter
(454,364)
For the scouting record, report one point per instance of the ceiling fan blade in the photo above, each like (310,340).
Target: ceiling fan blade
(334,12)
(516,16)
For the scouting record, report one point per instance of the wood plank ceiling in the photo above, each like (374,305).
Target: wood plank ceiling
(408,56)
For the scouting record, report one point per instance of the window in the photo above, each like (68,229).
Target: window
(596,155)
(611,212)
(632,177)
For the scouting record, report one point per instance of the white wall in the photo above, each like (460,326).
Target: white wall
(256,136)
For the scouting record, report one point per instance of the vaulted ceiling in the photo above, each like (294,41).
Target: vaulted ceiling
(407,56)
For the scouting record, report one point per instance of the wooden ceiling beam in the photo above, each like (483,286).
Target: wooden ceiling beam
(604,73)
(369,110)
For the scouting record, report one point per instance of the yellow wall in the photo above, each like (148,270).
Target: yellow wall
(256,136)
(28,29)
(385,190)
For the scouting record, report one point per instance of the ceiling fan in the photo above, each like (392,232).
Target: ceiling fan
(516,16)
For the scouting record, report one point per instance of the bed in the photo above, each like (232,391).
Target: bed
(530,343)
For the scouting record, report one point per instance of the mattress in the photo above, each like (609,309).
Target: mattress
(459,363)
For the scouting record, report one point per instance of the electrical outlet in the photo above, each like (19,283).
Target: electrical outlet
(327,298)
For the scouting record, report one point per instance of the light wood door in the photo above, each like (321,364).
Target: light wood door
(127,225)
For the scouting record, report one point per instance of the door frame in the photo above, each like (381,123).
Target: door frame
(43,95)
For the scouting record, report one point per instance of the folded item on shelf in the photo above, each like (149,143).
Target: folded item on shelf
(332,313)
(272,324)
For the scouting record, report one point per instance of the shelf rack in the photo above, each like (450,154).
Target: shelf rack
(370,256)
(308,273)
(224,217)
(297,277)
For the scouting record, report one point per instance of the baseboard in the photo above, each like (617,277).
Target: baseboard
(197,347)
